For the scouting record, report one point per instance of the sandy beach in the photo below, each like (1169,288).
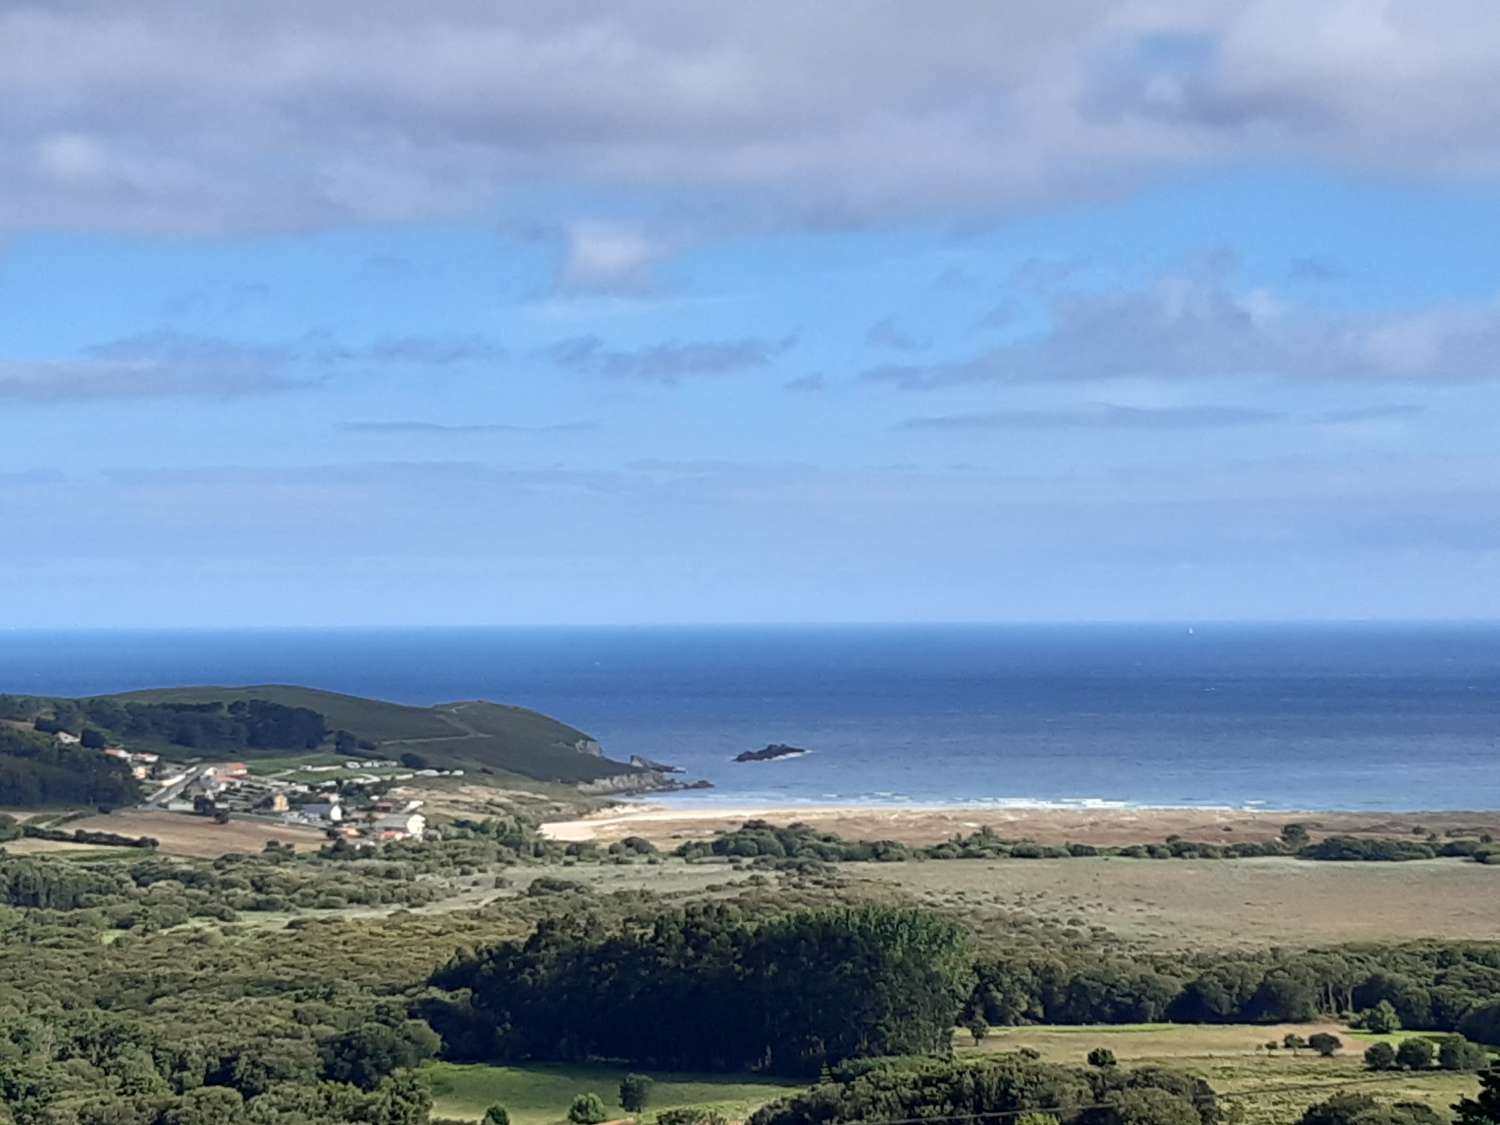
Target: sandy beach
(920,824)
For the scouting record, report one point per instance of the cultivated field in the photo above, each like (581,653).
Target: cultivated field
(1267,1087)
(1250,903)
(539,1095)
(181,834)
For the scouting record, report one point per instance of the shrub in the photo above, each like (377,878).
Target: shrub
(1380,1056)
(1101,1057)
(495,1115)
(1457,1053)
(1325,1044)
(635,1092)
(1381,1019)
(1414,1054)
(587,1109)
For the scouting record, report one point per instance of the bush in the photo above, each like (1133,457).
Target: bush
(1381,1019)
(587,1109)
(1414,1054)
(1362,1109)
(495,1115)
(1101,1057)
(1325,1044)
(635,1092)
(1380,1056)
(1457,1053)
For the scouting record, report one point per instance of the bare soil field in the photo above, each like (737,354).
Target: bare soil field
(1248,903)
(916,824)
(181,834)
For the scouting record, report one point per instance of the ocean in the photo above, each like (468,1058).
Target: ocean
(1276,716)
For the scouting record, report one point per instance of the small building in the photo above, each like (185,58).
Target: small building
(117,752)
(68,739)
(399,826)
(324,810)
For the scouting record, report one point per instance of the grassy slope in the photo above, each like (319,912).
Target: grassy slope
(469,735)
(1269,1087)
(539,1095)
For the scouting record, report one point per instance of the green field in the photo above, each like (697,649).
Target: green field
(539,1095)
(1265,1087)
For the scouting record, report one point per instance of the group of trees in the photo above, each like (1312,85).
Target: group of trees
(36,770)
(1432,986)
(105,1068)
(806,989)
(1008,1087)
(1364,1109)
(783,845)
(254,724)
(1453,1052)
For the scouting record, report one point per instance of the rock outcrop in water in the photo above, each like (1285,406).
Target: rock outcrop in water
(641,763)
(640,781)
(771,753)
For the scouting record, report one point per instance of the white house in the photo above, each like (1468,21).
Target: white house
(324,810)
(399,826)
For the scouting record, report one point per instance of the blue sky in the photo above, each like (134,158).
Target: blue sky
(471,313)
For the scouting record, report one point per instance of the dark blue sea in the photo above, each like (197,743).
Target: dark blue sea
(1285,716)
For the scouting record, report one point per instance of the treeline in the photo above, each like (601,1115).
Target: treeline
(158,893)
(89,836)
(1430,986)
(796,844)
(109,1069)
(35,770)
(711,988)
(255,724)
(1002,1088)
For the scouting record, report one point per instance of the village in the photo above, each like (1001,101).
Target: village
(345,800)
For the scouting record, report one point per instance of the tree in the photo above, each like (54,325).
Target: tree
(1325,1044)
(1101,1057)
(496,1115)
(1381,1019)
(979,1028)
(93,739)
(413,761)
(1291,1041)
(1294,835)
(1151,1106)
(1485,1108)
(1414,1054)
(635,1092)
(1457,1053)
(1482,1024)
(587,1109)
(1380,1056)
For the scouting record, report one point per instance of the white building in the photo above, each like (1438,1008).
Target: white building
(399,826)
(324,810)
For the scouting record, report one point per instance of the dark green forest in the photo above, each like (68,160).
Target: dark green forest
(35,770)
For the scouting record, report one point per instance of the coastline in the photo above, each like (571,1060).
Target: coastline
(1098,822)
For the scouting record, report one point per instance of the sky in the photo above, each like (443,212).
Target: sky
(370,312)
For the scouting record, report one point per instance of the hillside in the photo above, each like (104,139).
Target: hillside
(473,735)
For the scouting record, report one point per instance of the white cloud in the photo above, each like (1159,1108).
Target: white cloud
(608,256)
(1197,325)
(179,116)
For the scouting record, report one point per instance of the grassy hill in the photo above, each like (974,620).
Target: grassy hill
(472,735)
